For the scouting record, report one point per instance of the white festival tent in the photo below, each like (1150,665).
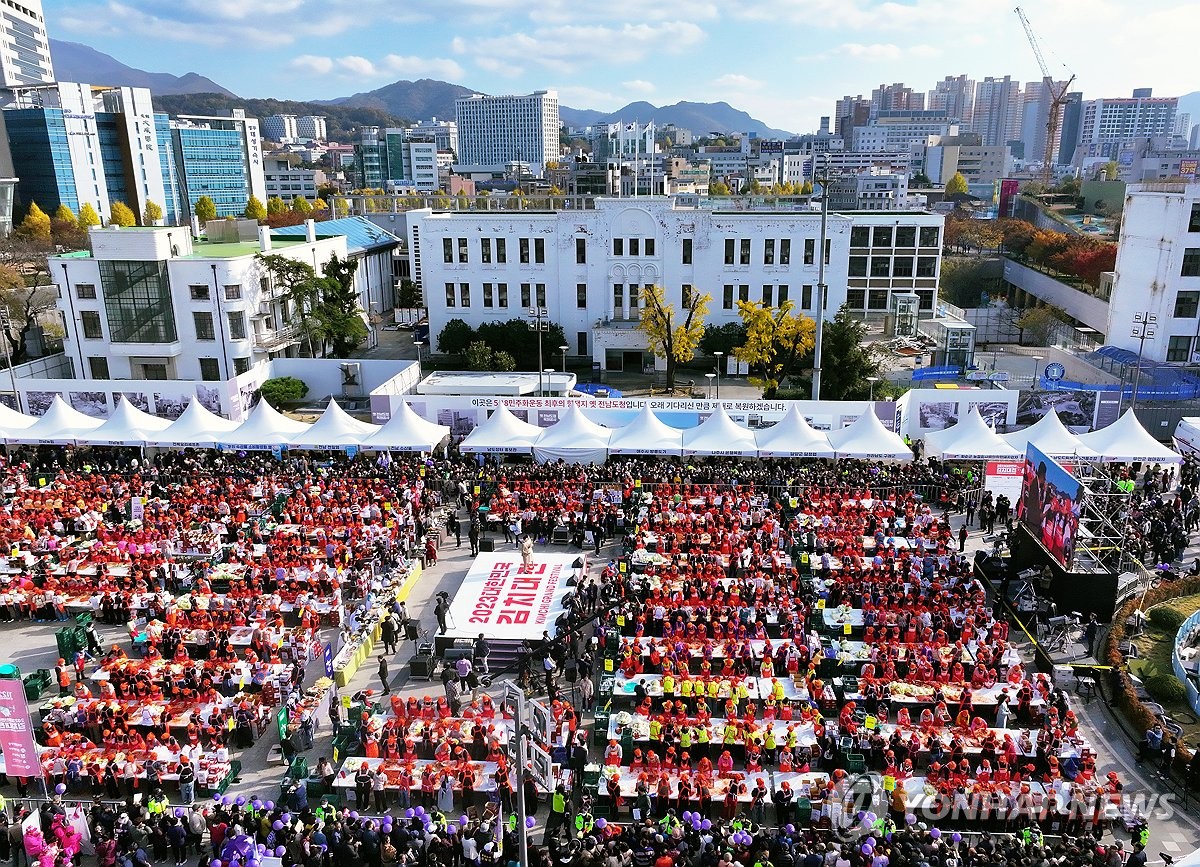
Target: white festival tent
(720,435)
(406,431)
(265,429)
(575,438)
(503,433)
(127,426)
(335,429)
(868,439)
(1052,438)
(969,440)
(61,425)
(197,428)
(11,420)
(647,434)
(793,437)
(1126,441)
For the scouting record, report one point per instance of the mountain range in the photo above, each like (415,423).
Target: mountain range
(74,61)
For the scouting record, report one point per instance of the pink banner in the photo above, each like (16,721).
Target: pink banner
(16,732)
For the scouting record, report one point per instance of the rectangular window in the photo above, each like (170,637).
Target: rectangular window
(727,297)
(881,266)
(618,246)
(744,293)
(1191,263)
(502,295)
(462,250)
(649,247)
(685,295)
(581,251)
(210,369)
(785,251)
(1179,348)
(902,266)
(86,291)
(98,365)
(581,295)
(634,246)
(927,266)
(487,294)
(523,250)
(581,342)
(203,321)
(539,251)
(767,296)
(881,236)
(1186,304)
(810,251)
(501,251)
(856,299)
(540,293)
(526,297)
(782,296)
(744,252)
(241,365)
(233,293)
(858,266)
(729,251)
(828,249)
(450,296)
(90,320)
(860,236)
(877,299)
(635,298)
(464,294)
(485,250)
(687,251)
(906,236)
(1194,221)
(198,291)
(769,251)
(448,250)
(619,298)
(806,297)
(930,236)
(237,326)
(924,300)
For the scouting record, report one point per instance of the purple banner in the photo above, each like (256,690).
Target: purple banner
(16,732)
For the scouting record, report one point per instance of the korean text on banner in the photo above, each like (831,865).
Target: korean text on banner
(16,732)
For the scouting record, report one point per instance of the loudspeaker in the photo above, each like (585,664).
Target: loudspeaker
(421,666)
(411,631)
(488,545)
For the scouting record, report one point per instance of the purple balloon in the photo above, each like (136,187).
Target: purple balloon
(217,797)
(270,805)
(935,832)
(865,849)
(262,848)
(287,817)
(215,862)
(791,829)
(354,814)
(227,800)
(277,825)
(601,823)
(464,821)
(956,837)
(241,800)
(256,804)
(279,850)
(910,818)
(60,789)
(695,824)
(409,813)
(453,829)
(869,841)
(687,815)
(530,821)
(705,824)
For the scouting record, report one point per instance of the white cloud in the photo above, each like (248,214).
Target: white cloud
(735,81)
(392,66)
(637,85)
(589,97)
(491,64)
(568,48)
(313,63)
(422,67)
(356,65)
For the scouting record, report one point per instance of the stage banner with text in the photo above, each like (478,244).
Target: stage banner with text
(502,598)
(1004,477)
(16,732)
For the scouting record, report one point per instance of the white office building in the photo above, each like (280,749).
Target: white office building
(160,304)
(587,264)
(287,181)
(443,133)
(311,127)
(281,128)
(496,130)
(24,45)
(1109,123)
(898,130)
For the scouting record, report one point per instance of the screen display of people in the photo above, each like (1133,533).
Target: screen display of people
(1049,504)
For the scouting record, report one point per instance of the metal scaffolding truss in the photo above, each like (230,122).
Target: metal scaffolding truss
(1099,541)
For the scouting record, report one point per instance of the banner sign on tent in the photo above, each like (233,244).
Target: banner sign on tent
(1004,478)
(502,599)
(16,732)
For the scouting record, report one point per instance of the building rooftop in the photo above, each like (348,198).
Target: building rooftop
(362,236)
(236,249)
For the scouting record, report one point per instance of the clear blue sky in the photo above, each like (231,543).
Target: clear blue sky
(784,61)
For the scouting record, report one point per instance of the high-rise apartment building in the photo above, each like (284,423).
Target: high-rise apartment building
(997,114)
(953,96)
(24,45)
(1068,135)
(311,127)
(496,130)
(850,112)
(1034,117)
(1107,123)
(280,128)
(896,97)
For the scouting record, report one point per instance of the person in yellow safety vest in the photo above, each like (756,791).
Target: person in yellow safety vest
(769,742)
(804,561)
(702,738)
(793,739)
(714,688)
(742,692)
(157,805)
(685,688)
(777,690)
(668,684)
(729,736)
(655,730)
(685,738)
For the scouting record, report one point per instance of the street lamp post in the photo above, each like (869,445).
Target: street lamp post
(1036,359)
(563,349)
(822,289)
(418,344)
(872,380)
(539,323)
(709,377)
(1144,327)
(719,355)
(549,371)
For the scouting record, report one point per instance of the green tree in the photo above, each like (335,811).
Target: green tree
(846,359)
(1040,323)
(806,188)
(516,337)
(65,230)
(88,216)
(455,337)
(956,186)
(339,311)
(776,341)
(36,223)
(722,338)
(300,205)
(282,390)
(122,215)
(479,356)
(255,210)
(205,210)
(672,336)
(408,295)
(65,215)
(964,280)
(276,206)
(718,188)
(503,362)
(152,214)
(25,287)
(920,179)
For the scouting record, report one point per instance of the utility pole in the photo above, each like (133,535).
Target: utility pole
(1144,326)
(821,288)
(539,322)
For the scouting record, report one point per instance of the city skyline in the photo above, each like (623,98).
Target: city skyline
(596,58)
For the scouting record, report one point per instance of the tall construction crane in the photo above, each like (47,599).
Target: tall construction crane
(1058,98)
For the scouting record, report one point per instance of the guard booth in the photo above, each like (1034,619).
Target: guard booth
(953,339)
(905,307)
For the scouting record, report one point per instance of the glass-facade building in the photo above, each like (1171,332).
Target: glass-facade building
(137,302)
(41,158)
(212,162)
